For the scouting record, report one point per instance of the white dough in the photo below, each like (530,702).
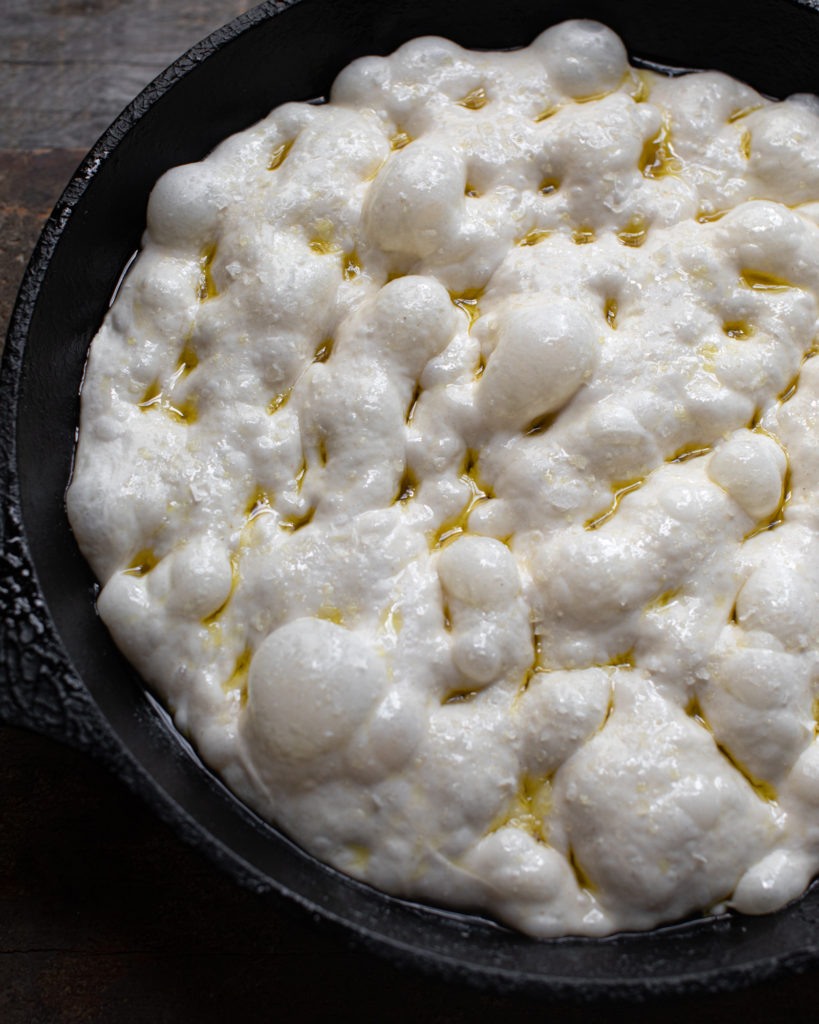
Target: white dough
(450,463)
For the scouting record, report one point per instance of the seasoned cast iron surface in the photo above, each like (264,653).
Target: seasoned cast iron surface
(51,637)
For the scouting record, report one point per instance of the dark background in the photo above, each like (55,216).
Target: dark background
(105,916)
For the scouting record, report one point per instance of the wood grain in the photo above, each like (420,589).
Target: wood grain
(30,184)
(67,67)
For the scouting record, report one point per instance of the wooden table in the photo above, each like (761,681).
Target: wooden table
(105,916)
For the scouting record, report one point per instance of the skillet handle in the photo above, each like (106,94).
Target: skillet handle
(39,689)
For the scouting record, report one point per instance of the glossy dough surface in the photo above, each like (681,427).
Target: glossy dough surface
(450,461)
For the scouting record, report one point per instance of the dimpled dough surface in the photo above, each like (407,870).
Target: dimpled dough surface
(450,461)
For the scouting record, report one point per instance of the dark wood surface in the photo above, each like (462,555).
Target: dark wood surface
(105,916)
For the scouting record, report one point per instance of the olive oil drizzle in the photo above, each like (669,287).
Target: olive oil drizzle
(474,100)
(777,517)
(763,789)
(407,486)
(278,401)
(467,302)
(745,144)
(212,619)
(634,233)
(692,451)
(259,503)
(738,329)
(399,140)
(737,115)
(279,155)
(619,492)
(413,405)
(237,680)
(207,289)
(534,236)
(583,880)
(157,397)
(658,158)
(324,351)
(760,281)
(709,216)
(142,563)
(547,112)
(529,807)
(793,385)
(293,523)
(351,266)
(462,696)
(459,524)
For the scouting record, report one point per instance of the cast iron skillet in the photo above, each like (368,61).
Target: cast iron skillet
(60,673)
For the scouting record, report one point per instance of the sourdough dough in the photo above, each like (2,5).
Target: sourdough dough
(450,461)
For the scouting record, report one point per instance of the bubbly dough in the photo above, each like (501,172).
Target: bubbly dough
(450,462)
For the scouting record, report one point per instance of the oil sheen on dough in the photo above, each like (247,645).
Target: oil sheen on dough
(450,461)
